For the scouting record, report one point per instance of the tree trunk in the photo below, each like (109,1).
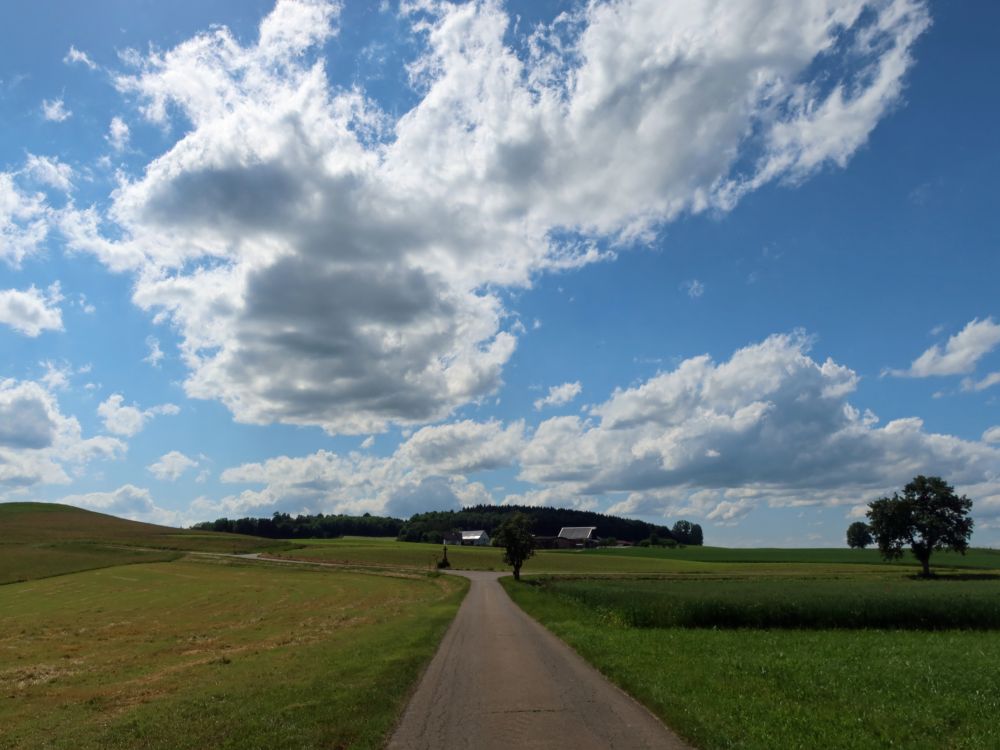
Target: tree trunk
(517,572)
(926,562)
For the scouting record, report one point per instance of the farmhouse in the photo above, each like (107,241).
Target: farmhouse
(475,538)
(577,536)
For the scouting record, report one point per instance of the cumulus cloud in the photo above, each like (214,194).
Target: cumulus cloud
(38,444)
(769,425)
(171,466)
(23,221)
(327,263)
(712,440)
(123,419)
(960,354)
(55,110)
(50,171)
(992,435)
(559,395)
(128,501)
(32,311)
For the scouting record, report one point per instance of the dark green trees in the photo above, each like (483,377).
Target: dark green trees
(928,516)
(859,535)
(515,536)
(686,532)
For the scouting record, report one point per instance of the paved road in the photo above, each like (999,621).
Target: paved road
(501,680)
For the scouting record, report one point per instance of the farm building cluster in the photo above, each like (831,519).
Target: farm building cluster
(569,537)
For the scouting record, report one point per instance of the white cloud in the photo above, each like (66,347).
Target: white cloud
(128,501)
(297,234)
(960,354)
(32,311)
(171,466)
(768,425)
(694,288)
(559,395)
(129,420)
(74,56)
(992,435)
(23,221)
(55,110)
(118,134)
(50,171)
(155,353)
(38,444)
(990,380)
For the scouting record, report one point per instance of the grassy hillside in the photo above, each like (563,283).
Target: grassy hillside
(44,539)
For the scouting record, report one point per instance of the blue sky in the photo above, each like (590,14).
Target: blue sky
(733,264)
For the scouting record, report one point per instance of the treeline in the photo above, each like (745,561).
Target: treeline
(284,526)
(430,527)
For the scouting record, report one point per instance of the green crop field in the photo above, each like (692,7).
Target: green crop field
(391,553)
(707,657)
(214,653)
(45,539)
(974,558)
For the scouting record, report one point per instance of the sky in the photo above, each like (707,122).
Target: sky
(734,263)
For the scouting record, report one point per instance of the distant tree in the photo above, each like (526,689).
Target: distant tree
(682,532)
(697,537)
(928,516)
(515,536)
(859,535)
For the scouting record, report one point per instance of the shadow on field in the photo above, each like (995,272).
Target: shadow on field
(958,577)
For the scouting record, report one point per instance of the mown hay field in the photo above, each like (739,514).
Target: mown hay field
(214,653)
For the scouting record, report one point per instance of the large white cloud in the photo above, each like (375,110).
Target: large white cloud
(326,264)
(40,445)
(715,439)
(32,310)
(769,426)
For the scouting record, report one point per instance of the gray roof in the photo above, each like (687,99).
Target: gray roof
(472,534)
(577,532)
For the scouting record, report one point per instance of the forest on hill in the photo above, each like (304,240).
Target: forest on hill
(432,526)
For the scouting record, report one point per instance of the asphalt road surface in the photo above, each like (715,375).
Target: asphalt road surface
(501,680)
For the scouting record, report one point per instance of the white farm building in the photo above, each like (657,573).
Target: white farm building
(476,538)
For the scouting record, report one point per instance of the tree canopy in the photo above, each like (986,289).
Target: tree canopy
(515,536)
(928,516)
(859,535)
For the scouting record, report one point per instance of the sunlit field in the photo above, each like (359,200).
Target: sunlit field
(866,661)
(214,653)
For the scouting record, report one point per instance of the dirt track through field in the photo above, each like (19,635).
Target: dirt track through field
(501,680)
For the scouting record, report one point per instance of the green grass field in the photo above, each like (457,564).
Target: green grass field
(46,539)
(767,687)
(975,558)
(214,653)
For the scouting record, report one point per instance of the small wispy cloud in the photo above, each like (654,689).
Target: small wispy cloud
(54,110)
(559,395)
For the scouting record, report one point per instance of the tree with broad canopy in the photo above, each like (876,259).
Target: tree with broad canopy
(928,516)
